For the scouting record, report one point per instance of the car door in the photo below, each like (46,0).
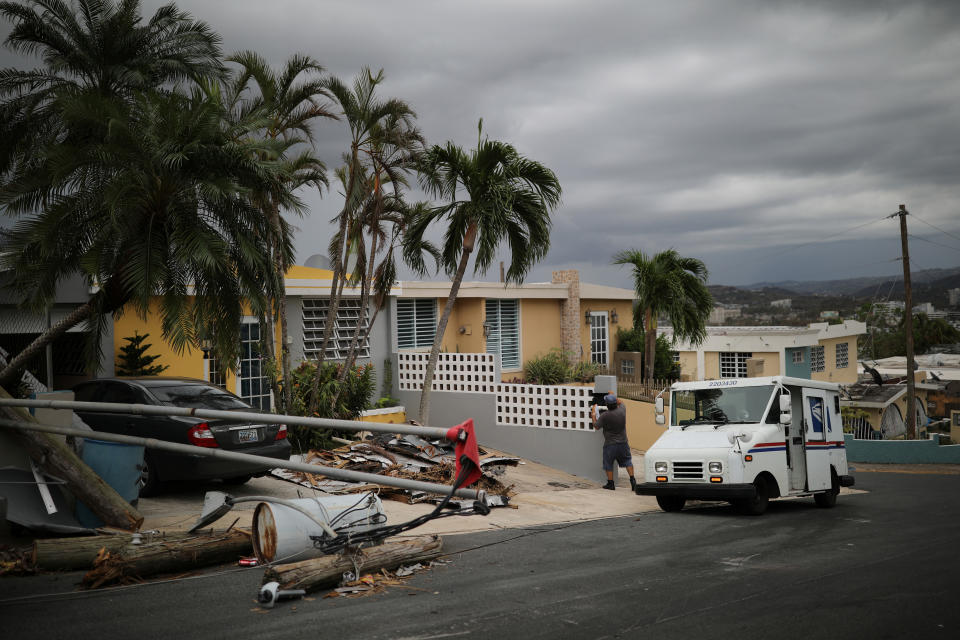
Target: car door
(116,392)
(817,424)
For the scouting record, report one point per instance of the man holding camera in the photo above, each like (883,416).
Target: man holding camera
(613,421)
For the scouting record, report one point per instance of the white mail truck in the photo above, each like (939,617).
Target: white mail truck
(747,440)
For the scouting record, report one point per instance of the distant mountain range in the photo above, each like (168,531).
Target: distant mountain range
(930,279)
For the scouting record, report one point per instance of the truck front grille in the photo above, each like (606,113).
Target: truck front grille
(688,471)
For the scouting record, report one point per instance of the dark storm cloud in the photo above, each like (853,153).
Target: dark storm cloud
(731,131)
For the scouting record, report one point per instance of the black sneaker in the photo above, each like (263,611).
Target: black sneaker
(609,485)
(633,483)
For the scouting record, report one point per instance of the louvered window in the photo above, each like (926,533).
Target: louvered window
(416,323)
(503,331)
(734,365)
(347,324)
(842,355)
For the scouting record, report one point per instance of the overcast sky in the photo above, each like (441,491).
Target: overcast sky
(767,138)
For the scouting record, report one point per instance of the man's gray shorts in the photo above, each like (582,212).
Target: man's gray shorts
(619,452)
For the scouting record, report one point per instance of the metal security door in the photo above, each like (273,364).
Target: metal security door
(817,422)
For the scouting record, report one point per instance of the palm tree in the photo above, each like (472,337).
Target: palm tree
(92,45)
(160,208)
(671,285)
(493,194)
(289,102)
(374,125)
(96,55)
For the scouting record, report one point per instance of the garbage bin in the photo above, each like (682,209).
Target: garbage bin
(119,465)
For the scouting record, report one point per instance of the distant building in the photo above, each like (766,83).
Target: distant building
(723,312)
(829,315)
(924,307)
(782,304)
(821,351)
(891,307)
(953,296)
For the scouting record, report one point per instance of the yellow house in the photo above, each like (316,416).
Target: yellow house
(820,351)
(519,322)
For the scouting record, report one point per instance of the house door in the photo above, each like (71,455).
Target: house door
(817,424)
(599,338)
(252,385)
(796,454)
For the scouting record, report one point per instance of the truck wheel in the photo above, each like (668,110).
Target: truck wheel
(671,503)
(758,504)
(828,499)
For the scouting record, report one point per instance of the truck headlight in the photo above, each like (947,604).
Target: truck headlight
(660,467)
(716,467)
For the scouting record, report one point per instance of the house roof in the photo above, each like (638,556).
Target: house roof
(770,338)
(871,395)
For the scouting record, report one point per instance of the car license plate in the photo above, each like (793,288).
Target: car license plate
(247,435)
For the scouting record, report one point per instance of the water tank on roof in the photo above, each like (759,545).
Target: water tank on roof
(318,261)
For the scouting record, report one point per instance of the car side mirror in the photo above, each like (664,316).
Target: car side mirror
(658,404)
(661,419)
(785,417)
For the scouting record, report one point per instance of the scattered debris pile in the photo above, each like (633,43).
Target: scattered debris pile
(409,457)
(379,582)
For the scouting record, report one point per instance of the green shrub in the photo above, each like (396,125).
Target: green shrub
(584,371)
(552,368)
(355,397)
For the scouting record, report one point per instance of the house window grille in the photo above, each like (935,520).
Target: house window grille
(346,325)
(842,355)
(676,357)
(798,357)
(734,364)
(215,373)
(503,331)
(252,385)
(816,359)
(626,367)
(416,323)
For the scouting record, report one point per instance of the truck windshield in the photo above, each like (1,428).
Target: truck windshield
(720,405)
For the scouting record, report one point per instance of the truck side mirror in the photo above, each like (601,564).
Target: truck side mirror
(785,417)
(660,419)
(658,403)
(784,403)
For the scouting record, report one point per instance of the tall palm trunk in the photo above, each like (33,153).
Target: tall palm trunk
(339,273)
(650,341)
(468,242)
(78,315)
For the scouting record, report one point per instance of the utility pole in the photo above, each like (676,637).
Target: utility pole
(911,416)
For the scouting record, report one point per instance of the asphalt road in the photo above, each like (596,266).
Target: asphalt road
(884,564)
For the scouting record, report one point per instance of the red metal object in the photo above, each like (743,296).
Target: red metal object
(248,562)
(466,450)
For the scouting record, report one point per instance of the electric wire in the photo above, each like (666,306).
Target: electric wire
(935,227)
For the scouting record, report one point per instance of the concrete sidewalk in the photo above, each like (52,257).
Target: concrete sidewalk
(543,496)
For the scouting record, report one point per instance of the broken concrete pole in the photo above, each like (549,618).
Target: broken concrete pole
(317,573)
(168,556)
(57,459)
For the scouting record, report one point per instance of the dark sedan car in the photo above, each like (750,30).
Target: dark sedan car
(163,466)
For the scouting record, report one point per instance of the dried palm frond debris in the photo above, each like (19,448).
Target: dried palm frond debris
(406,456)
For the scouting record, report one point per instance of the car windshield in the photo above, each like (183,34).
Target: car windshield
(720,405)
(198,396)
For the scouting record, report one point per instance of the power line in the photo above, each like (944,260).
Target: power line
(935,227)
(939,244)
(780,252)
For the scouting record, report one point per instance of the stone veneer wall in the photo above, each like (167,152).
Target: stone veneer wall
(570,311)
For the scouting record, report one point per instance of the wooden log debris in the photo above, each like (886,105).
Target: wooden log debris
(56,459)
(327,571)
(73,554)
(185,553)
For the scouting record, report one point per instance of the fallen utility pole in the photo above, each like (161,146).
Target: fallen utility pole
(162,556)
(330,472)
(317,573)
(252,416)
(59,461)
(72,554)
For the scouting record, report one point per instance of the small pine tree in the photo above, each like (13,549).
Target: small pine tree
(133,360)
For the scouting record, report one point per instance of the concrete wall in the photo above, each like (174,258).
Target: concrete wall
(539,328)
(642,427)
(902,451)
(831,373)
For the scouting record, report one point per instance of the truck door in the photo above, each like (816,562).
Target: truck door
(794,435)
(816,421)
